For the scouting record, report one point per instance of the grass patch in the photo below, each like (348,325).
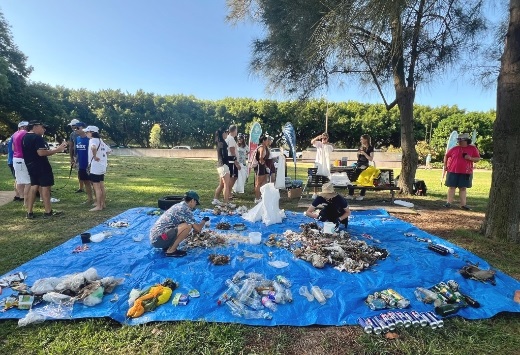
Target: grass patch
(133,182)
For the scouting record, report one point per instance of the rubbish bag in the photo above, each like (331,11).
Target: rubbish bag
(271,205)
(45,285)
(280,173)
(241,180)
(367,176)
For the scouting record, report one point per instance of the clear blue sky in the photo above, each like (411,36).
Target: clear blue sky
(168,47)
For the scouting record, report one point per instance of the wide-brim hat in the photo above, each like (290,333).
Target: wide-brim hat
(327,190)
(91,129)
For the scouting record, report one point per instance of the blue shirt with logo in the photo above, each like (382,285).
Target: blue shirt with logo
(82,151)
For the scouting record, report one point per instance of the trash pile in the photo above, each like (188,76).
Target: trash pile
(208,238)
(338,250)
(385,322)
(147,300)
(384,299)
(59,292)
(219,259)
(252,296)
(228,210)
(446,297)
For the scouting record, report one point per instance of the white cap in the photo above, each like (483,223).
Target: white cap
(91,129)
(23,124)
(73,122)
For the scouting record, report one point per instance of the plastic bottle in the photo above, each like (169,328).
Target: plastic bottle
(236,308)
(377,303)
(279,296)
(288,295)
(238,276)
(269,304)
(254,303)
(284,281)
(316,292)
(249,314)
(425,295)
(246,289)
(255,276)
(230,292)
(305,293)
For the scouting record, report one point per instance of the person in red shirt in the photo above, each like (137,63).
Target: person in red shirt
(459,166)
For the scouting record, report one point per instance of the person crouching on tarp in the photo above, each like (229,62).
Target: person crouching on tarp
(175,225)
(335,208)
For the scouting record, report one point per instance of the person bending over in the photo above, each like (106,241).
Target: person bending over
(335,208)
(175,225)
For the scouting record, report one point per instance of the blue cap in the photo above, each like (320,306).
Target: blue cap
(193,195)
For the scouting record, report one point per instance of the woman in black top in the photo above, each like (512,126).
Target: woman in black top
(222,167)
(365,156)
(262,170)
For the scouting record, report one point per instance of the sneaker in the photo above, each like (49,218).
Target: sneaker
(54,200)
(29,215)
(177,254)
(466,207)
(447,205)
(360,198)
(349,197)
(16,198)
(216,202)
(79,191)
(314,196)
(52,213)
(231,205)
(258,200)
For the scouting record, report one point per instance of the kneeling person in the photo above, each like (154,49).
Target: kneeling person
(175,225)
(335,208)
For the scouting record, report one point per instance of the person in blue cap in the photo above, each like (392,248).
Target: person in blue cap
(175,225)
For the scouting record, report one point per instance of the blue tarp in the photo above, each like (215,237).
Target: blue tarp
(409,265)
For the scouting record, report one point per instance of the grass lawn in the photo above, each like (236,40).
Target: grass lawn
(133,182)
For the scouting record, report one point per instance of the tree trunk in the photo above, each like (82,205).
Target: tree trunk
(405,96)
(503,215)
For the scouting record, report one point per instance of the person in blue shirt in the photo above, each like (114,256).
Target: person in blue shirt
(81,151)
(10,154)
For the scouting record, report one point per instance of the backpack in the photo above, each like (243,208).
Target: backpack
(419,188)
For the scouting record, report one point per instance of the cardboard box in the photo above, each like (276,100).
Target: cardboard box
(294,193)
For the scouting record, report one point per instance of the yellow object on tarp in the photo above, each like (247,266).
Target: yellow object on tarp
(367,176)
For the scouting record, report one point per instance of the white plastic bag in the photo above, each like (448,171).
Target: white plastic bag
(280,173)
(241,180)
(271,213)
(45,285)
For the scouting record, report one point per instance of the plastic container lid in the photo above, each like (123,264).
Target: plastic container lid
(255,237)
(96,238)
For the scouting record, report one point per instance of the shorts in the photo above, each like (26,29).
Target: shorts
(11,167)
(261,170)
(459,180)
(43,179)
(20,170)
(233,169)
(223,170)
(96,178)
(166,239)
(83,175)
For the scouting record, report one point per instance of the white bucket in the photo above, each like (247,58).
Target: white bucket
(255,237)
(329,227)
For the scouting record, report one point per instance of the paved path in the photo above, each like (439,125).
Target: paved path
(6,197)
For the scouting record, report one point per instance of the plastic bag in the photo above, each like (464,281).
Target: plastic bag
(280,173)
(46,285)
(31,318)
(57,298)
(95,297)
(278,264)
(367,176)
(241,180)
(271,213)
(109,283)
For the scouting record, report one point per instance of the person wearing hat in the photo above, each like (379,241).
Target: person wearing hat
(98,161)
(81,162)
(35,152)
(459,167)
(335,207)
(72,149)
(23,180)
(175,225)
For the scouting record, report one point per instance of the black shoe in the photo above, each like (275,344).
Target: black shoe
(466,207)
(29,215)
(79,191)
(52,213)
(16,198)
(177,253)
(447,205)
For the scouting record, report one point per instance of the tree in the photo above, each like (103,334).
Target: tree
(155,136)
(403,43)
(502,220)
(13,74)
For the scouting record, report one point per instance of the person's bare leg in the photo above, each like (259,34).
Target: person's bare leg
(227,188)
(26,191)
(219,189)
(31,196)
(462,195)
(45,192)
(97,189)
(88,190)
(260,181)
(451,194)
(103,195)
(183,230)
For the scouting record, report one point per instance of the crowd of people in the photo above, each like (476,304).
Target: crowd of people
(28,154)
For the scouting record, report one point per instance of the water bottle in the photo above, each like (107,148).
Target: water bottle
(288,295)
(246,290)
(269,304)
(425,295)
(230,292)
(249,314)
(377,303)
(254,303)
(238,276)
(279,290)
(318,295)
(236,308)
(255,276)
(284,281)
